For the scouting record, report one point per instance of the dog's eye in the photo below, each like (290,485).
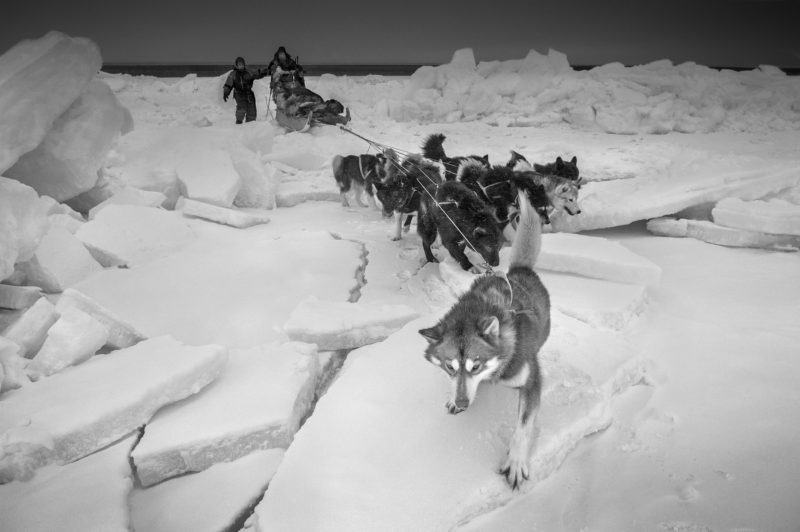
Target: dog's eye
(476,366)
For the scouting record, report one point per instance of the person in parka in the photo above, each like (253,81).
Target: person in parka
(283,61)
(240,81)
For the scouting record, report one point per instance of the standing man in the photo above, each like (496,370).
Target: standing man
(240,81)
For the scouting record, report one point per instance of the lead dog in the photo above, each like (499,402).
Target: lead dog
(494,333)
(358,172)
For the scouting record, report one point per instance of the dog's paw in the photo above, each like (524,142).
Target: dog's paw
(396,238)
(515,471)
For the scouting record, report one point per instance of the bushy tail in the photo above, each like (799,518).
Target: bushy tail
(432,147)
(528,240)
(337,164)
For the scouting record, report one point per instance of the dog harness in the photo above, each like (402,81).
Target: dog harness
(361,169)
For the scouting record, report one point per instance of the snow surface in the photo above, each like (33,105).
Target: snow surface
(257,403)
(775,216)
(98,485)
(719,234)
(708,444)
(59,419)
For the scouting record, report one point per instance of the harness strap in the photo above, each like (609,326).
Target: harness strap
(361,169)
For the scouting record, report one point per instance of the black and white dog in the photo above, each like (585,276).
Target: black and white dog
(359,172)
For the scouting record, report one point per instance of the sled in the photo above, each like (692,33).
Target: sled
(304,123)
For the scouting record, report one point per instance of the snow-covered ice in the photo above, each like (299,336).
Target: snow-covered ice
(60,261)
(120,333)
(23,222)
(596,257)
(222,215)
(67,161)
(334,325)
(12,366)
(18,297)
(39,80)
(775,216)
(713,233)
(197,502)
(99,485)
(29,330)
(72,339)
(60,419)
(257,403)
(131,196)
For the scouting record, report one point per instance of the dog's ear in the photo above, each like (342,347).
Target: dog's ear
(489,327)
(574,160)
(559,162)
(433,334)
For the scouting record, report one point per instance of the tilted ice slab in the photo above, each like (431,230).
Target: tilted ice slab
(313,187)
(131,235)
(222,215)
(18,297)
(236,303)
(403,463)
(623,201)
(334,325)
(120,333)
(66,162)
(88,495)
(197,502)
(595,257)
(61,419)
(131,196)
(722,236)
(30,329)
(23,223)
(257,403)
(39,80)
(775,216)
(60,261)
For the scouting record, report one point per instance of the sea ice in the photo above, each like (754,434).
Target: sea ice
(66,162)
(18,297)
(257,403)
(73,339)
(131,196)
(60,419)
(196,502)
(222,215)
(39,80)
(30,329)
(334,325)
(60,261)
(775,216)
(97,486)
(720,235)
(23,222)
(120,333)
(12,366)
(131,235)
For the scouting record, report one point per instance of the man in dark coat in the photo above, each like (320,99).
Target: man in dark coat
(240,81)
(283,61)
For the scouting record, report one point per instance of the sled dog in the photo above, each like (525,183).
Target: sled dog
(494,333)
(358,172)
(432,149)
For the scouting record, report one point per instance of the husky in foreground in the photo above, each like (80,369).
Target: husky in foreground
(494,332)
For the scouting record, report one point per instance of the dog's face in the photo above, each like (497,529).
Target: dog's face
(468,356)
(488,241)
(392,195)
(568,169)
(565,197)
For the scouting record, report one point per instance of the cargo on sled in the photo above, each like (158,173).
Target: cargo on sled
(298,108)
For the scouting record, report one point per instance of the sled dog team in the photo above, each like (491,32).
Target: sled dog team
(495,330)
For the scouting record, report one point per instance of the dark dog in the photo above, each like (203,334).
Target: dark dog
(515,159)
(404,186)
(358,172)
(458,215)
(432,149)
(560,168)
(493,185)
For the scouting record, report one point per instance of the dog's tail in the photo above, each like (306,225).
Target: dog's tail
(517,158)
(338,166)
(528,240)
(470,171)
(432,147)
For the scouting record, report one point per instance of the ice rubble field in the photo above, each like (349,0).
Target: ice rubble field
(196,335)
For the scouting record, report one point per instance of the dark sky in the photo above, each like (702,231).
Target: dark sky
(742,33)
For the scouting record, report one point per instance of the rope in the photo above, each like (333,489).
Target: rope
(384,148)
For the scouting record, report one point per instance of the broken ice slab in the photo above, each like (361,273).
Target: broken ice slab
(66,162)
(30,329)
(720,235)
(120,333)
(440,468)
(12,366)
(196,502)
(60,261)
(39,80)
(73,339)
(775,216)
(334,325)
(82,409)
(257,403)
(18,297)
(130,196)
(209,175)
(23,222)
(222,215)
(88,495)
(595,257)
(131,234)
